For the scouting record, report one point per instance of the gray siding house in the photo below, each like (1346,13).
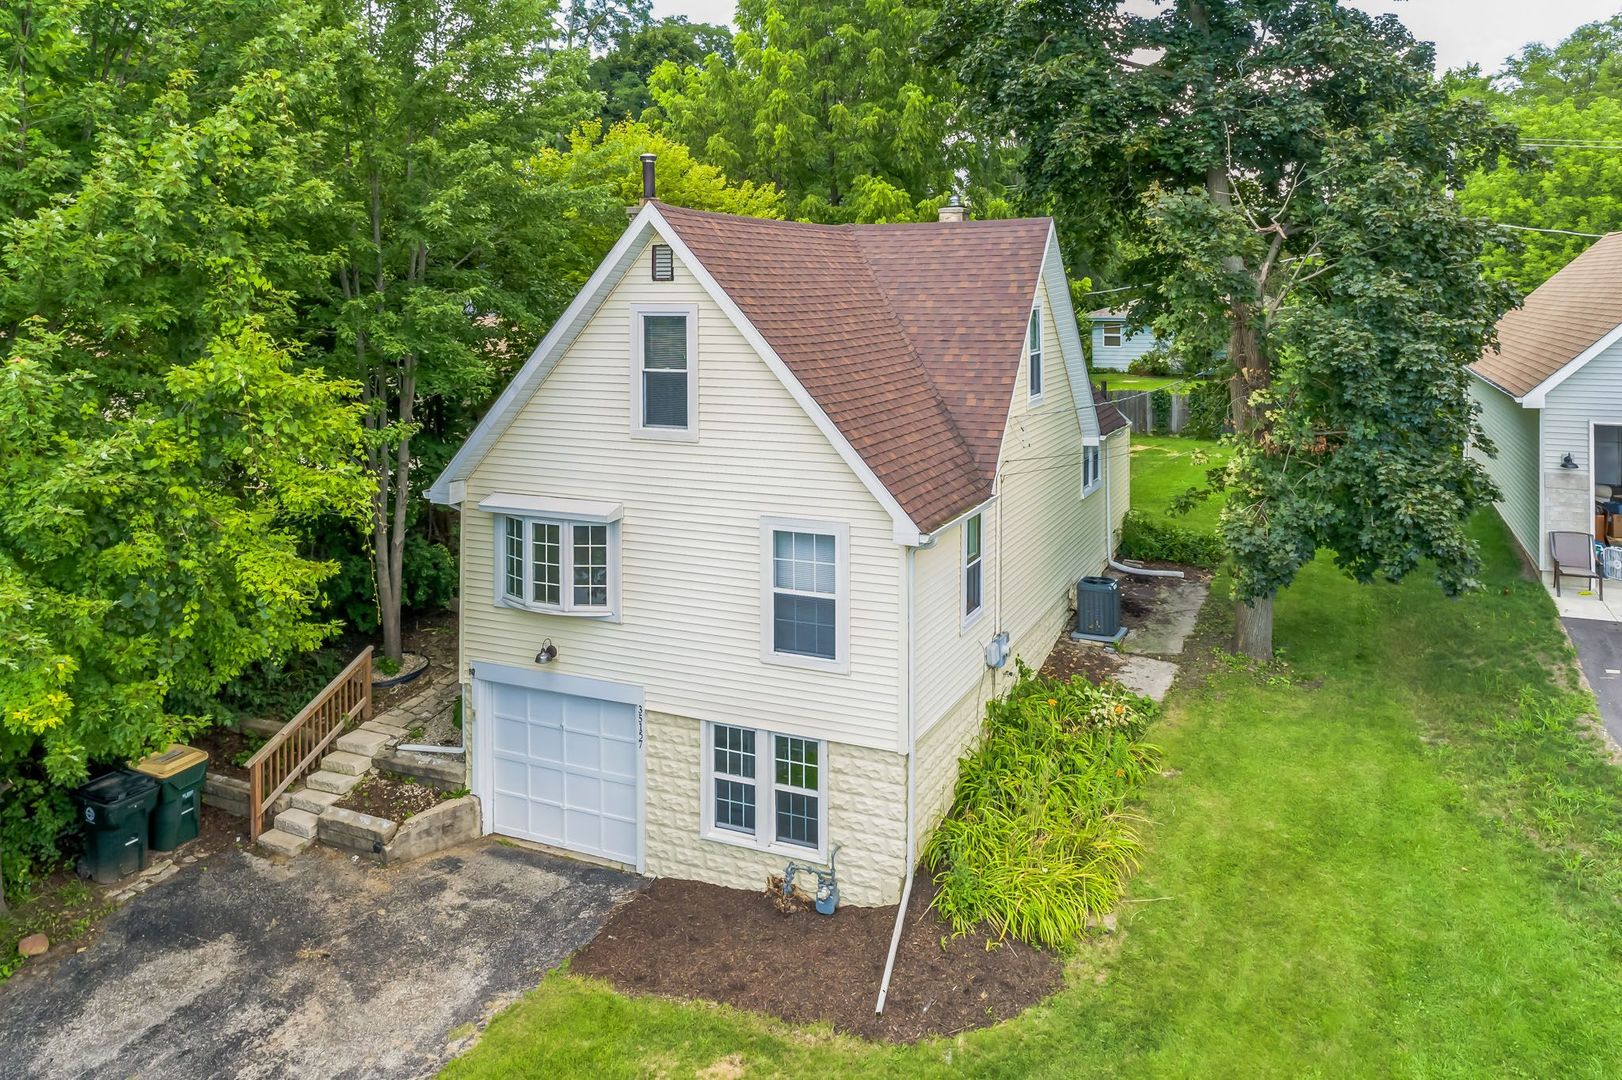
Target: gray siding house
(1113,348)
(1551,401)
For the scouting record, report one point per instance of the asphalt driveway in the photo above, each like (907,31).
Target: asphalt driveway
(317,967)
(1599,651)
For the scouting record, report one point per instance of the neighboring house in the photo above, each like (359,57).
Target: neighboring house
(1113,348)
(770,490)
(1551,401)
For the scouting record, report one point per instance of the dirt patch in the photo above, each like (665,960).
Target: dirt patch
(1095,663)
(686,939)
(226,747)
(433,636)
(390,797)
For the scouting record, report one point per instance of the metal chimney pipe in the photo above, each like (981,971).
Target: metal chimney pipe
(647,176)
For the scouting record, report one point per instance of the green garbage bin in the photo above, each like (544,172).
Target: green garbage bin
(179,772)
(114,809)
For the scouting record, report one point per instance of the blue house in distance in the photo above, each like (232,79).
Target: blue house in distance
(1113,348)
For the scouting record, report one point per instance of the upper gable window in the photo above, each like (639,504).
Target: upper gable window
(664,372)
(1112,335)
(1034,341)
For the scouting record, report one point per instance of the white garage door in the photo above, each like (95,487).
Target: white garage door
(563,769)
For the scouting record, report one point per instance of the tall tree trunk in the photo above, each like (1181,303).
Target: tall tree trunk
(1253,628)
(1253,621)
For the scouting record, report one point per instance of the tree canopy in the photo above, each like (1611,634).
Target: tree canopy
(1303,224)
(832,102)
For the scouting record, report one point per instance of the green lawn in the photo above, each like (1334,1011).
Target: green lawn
(1166,466)
(1119,380)
(1394,854)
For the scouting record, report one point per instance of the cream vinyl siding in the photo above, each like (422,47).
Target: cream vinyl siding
(1514,432)
(1118,463)
(1040,536)
(689,626)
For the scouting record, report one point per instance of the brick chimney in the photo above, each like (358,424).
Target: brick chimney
(953,210)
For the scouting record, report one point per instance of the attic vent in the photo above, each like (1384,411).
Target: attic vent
(664,267)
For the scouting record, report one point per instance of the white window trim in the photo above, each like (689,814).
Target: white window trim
(1118,329)
(1035,360)
(664,434)
(968,618)
(1088,487)
(840,664)
(566,606)
(765,796)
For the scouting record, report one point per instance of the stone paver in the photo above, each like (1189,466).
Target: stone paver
(349,764)
(315,967)
(336,783)
(298,822)
(363,743)
(278,842)
(316,802)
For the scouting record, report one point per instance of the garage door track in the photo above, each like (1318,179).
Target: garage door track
(319,967)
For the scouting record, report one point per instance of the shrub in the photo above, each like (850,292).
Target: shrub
(36,820)
(1037,841)
(1145,537)
(1154,362)
(1208,404)
(428,582)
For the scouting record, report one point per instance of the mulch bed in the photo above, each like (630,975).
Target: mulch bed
(433,636)
(388,797)
(223,745)
(1067,659)
(686,939)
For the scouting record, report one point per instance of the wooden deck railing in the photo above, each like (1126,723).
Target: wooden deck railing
(303,739)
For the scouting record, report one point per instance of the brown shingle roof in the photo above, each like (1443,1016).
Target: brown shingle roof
(908,336)
(1559,320)
(1110,418)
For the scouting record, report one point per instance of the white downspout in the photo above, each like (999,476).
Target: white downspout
(1109,525)
(912,788)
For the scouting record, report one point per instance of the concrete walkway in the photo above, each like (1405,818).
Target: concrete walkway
(1599,650)
(317,967)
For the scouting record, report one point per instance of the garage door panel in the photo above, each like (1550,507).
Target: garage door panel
(565,771)
(619,759)
(545,742)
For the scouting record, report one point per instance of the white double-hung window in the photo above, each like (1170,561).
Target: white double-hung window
(1091,467)
(1112,335)
(973,568)
(1034,349)
(805,593)
(765,789)
(556,555)
(664,371)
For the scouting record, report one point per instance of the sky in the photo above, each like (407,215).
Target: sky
(1465,31)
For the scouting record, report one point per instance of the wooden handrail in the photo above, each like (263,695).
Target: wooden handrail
(289,753)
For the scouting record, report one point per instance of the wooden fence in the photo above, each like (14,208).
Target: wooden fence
(1138,406)
(302,740)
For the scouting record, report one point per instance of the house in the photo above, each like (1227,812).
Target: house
(1113,348)
(760,526)
(1551,401)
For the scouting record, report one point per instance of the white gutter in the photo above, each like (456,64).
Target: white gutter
(1109,528)
(912,788)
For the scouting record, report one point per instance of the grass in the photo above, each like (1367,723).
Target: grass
(61,907)
(1395,853)
(1166,466)
(1118,380)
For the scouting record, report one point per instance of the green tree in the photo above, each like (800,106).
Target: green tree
(161,440)
(1304,224)
(1567,103)
(442,250)
(595,24)
(830,101)
(621,74)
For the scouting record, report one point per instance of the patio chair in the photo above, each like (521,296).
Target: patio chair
(1573,555)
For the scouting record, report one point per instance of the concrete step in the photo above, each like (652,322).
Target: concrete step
(278,842)
(393,731)
(363,743)
(298,822)
(350,764)
(313,801)
(447,772)
(335,783)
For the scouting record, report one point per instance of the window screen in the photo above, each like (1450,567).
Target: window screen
(664,371)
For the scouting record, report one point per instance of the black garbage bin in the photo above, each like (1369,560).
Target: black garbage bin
(179,772)
(114,809)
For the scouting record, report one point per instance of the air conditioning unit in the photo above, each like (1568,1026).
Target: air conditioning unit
(1098,610)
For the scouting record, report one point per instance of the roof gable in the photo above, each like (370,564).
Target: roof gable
(1560,323)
